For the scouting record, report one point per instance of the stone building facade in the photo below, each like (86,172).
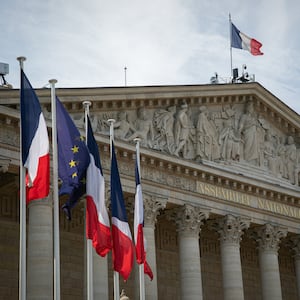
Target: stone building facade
(220,174)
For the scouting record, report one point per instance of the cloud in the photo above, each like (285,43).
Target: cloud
(88,43)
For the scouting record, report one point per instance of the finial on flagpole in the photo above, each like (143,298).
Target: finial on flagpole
(52,81)
(137,140)
(21,60)
(86,103)
(111,121)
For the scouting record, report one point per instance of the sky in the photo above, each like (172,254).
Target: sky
(88,43)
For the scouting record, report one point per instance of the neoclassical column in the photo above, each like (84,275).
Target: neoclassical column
(231,229)
(296,248)
(189,219)
(268,238)
(40,250)
(152,207)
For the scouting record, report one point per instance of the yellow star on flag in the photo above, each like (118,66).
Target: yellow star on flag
(72,163)
(75,149)
(74,175)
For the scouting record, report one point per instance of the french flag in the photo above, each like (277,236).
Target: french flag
(35,143)
(97,221)
(139,240)
(242,41)
(123,248)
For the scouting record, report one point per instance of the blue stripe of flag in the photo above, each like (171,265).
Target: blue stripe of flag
(92,145)
(30,115)
(117,200)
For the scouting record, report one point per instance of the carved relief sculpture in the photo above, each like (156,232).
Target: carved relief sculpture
(226,135)
(207,140)
(248,129)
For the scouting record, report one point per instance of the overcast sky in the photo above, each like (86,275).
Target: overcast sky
(87,43)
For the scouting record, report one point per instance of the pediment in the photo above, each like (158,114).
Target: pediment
(232,127)
(238,127)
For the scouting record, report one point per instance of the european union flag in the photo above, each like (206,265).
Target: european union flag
(73,158)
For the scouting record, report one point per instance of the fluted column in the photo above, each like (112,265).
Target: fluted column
(296,248)
(268,237)
(152,207)
(231,229)
(189,219)
(40,251)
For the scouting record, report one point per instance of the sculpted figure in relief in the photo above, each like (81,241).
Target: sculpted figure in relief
(122,127)
(291,158)
(163,121)
(207,144)
(281,157)
(143,129)
(229,138)
(248,128)
(182,131)
(269,152)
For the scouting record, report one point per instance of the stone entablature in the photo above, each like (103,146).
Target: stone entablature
(192,135)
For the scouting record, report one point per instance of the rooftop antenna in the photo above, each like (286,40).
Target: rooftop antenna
(125,73)
(4,70)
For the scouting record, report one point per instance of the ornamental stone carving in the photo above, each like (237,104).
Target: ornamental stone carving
(231,228)
(189,219)
(269,236)
(231,134)
(152,207)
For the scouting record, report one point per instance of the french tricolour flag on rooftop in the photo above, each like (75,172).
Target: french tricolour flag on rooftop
(35,143)
(97,221)
(241,41)
(123,248)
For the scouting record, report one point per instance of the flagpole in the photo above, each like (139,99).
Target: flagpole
(22,254)
(116,274)
(230,35)
(141,266)
(56,263)
(88,242)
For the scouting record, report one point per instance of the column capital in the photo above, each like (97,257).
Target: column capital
(152,207)
(231,228)
(268,236)
(189,218)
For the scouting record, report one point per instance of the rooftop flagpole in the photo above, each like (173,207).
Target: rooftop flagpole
(141,266)
(56,263)
(230,39)
(22,254)
(88,242)
(116,274)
